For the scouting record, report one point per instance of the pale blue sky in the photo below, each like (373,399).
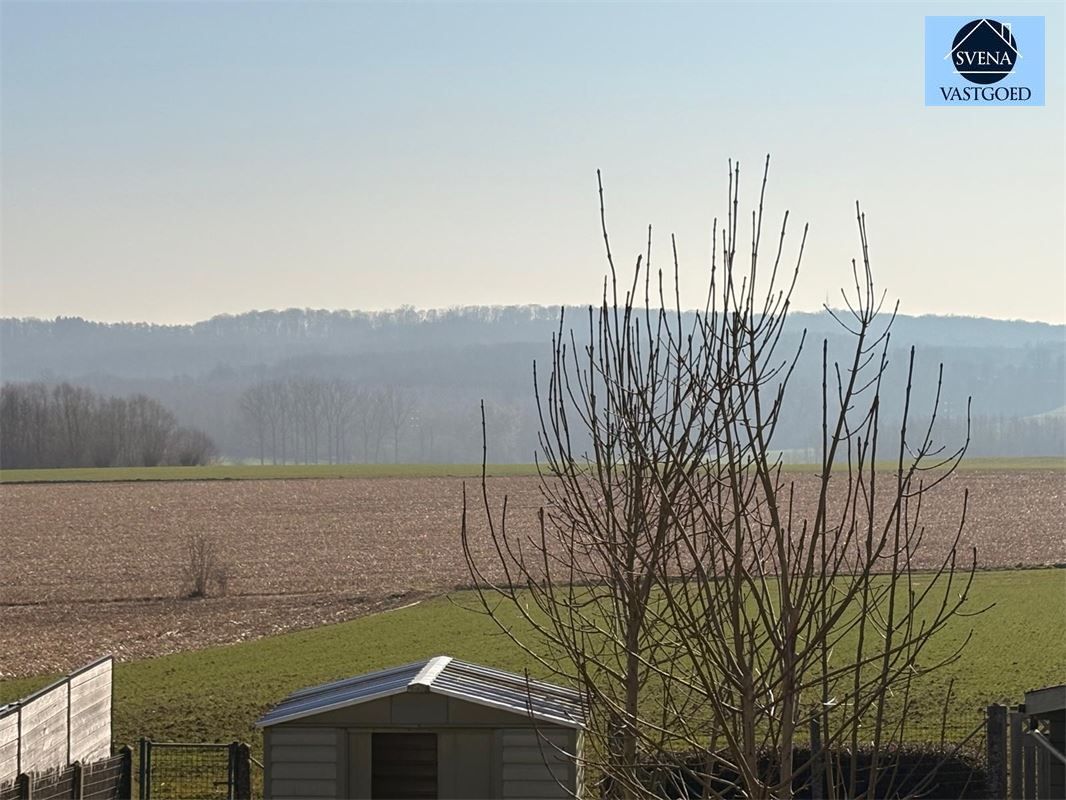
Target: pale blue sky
(171,161)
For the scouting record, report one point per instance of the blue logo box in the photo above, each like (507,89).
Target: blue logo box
(984,61)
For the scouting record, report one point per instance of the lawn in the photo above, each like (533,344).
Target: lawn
(216,694)
(289,471)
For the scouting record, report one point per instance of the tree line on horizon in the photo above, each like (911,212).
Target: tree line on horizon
(407,386)
(72,426)
(336,421)
(314,420)
(66,348)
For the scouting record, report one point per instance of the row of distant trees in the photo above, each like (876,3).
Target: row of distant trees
(328,419)
(315,420)
(72,426)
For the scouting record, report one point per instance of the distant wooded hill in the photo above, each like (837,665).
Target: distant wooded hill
(405,385)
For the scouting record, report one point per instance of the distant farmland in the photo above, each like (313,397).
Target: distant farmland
(242,472)
(224,472)
(87,568)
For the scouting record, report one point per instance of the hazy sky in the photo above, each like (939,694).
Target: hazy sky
(172,161)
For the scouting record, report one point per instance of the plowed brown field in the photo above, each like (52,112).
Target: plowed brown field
(92,568)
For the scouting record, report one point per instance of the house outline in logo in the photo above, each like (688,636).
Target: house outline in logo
(978,61)
(984,21)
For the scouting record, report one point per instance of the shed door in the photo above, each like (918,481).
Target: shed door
(403,766)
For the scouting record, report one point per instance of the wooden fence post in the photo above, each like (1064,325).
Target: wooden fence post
(1016,734)
(125,785)
(242,772)
(997,750)
(77,781)
(25,784)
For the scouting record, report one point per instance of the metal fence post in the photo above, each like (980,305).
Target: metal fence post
(1016,718)
(1029,767)
(144,773)
(242,772)
(1043,774)
(25,784)
(997,750)
(125,784)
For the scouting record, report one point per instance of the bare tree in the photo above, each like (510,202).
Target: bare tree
(24,425)
(295,415)
(311,412)
(151,427)
(110,432)
(204,571)
(337,403)
(74,411)
(254,405)
(276,419)
(398,407)
(370,415)
(712,622)
(70,426)
(190,447)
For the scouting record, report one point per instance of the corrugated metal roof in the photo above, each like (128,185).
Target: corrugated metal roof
(441,675)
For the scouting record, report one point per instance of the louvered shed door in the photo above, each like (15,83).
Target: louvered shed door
(404,766)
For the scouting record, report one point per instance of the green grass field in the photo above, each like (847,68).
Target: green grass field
(217,694)
(269,472)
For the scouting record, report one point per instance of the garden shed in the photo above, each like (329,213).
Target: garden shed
(440,728)
(1046,710)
